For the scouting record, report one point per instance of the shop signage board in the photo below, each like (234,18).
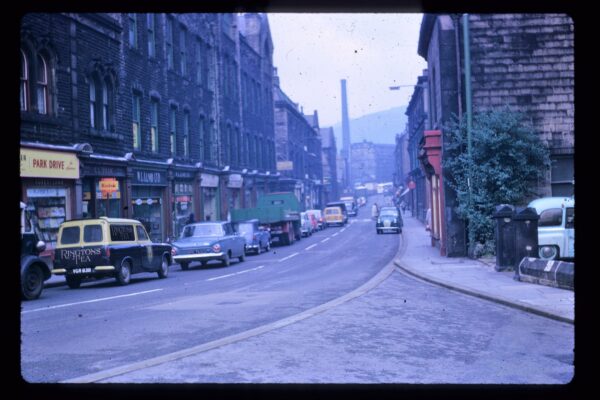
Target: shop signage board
(48,164)
(145,177)
(235,181)
(285,165)
(208,180)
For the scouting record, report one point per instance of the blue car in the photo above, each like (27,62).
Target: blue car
(207,241)
(257,238)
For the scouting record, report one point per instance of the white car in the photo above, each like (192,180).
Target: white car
(556,227)
(305,224)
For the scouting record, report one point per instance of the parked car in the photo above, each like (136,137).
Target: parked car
(389,220)
(34,270)
(318,217)
(334,216)
(342,206)
(306,228)
(556,227)
(206,241)
(257,238)
(113,247)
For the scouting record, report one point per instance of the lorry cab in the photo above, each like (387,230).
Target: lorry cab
(556,227)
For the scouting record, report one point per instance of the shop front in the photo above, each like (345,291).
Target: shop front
(234,192)
(48,187)
(148,201)
(209,185)
(103,188)
(182,200)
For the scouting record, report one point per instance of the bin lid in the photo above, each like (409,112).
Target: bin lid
(526,213)
(503,211)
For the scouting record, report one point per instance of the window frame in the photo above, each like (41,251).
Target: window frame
(154,126)
(136,120)
(151,30)
(42,85)
(25,82)
(133,39)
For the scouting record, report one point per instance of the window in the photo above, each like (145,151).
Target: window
(24,90)
(122,233)
(100,98)
(186,131)
(141,232)
(92,233)
(182,52)
(135,122)
(173,130)
(169,43)
(570,224)
(42,85)
(151,35)
(70,235)
(133,37)
(551,217)
(154,125)
(201,137)
(199,72)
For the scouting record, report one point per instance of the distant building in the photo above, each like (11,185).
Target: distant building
(372,162)
(329,162)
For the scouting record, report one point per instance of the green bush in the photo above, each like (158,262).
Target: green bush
(508,160)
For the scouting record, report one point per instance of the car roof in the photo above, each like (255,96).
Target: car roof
(103,219)
(552,202)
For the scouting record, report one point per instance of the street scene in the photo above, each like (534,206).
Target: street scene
(184,220)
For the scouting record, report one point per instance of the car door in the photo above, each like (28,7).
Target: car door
(148,258)
(236,242)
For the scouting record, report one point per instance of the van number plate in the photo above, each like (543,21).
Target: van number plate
(81,270)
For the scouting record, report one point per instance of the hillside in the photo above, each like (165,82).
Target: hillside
(380,127)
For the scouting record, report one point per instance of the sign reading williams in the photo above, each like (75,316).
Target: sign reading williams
(145,177)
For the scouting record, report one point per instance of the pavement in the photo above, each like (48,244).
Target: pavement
(475,277)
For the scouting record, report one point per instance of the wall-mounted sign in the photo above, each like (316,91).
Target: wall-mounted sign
(109,185)
(208,180)
(145,177)
(48,164)
(285,165)
(235,181)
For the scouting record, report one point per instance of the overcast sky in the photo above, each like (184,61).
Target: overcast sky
(313,52)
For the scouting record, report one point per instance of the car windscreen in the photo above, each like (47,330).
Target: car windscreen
(246,230)
(202,230)
(389,213)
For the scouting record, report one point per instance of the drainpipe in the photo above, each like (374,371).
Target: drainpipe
(469,108)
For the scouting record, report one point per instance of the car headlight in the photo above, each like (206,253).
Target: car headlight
(216,247)
(173,251)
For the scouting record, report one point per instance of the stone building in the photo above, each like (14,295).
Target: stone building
(371,162)
(141,115)
(329,162)
(523,61)
(297,144)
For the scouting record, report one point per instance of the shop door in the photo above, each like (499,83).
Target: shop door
(149,213)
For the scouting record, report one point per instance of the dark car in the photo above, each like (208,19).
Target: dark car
(34,270)
(206,241)
(389,220)
(107,247)
(257,238)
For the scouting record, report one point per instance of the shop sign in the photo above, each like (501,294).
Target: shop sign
(285,165)
(109,185)
(149,177)
(48,164)
(235,181)
(102,170)
(184,175)
(208,180)
(46,192)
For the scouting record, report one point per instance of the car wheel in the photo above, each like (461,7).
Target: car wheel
(226,260)
(73,282)
(124,273)
(164,268)
(548,252)
(184,265)
(33,283)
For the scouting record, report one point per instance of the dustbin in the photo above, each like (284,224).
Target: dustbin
(525,220)
(505,237)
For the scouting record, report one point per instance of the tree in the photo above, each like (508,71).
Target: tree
(508,159)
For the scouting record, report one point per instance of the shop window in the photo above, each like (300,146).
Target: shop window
(70,235)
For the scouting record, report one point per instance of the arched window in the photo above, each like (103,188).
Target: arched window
(105,106)
(101,102)
(24,92)
(42,85)
(92,103)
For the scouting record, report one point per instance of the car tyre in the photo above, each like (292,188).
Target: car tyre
(33,283)
(164,268)
(73,282)
(226,260)
(124,273)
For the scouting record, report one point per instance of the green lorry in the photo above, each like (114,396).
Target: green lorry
(278,212)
